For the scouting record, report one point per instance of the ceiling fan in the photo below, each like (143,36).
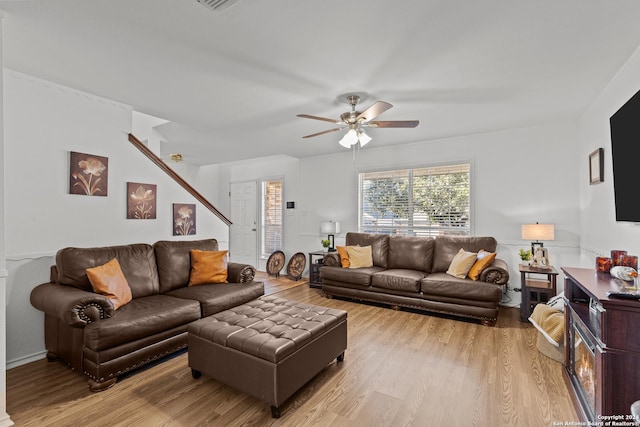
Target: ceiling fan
(357,121)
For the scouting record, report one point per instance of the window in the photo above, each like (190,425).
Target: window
(271,217)
(427,201)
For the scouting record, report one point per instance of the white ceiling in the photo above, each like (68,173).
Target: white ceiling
(231,83)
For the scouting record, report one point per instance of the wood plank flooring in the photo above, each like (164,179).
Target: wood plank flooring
(400,369)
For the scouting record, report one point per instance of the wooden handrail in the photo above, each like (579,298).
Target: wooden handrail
(177,178)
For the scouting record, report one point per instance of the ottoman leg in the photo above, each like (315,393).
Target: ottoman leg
(275,411)
(196,374)
(340,357)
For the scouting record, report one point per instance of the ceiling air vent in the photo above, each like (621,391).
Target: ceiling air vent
(217,5)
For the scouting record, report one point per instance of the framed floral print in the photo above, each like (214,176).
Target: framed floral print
(141,201)
(184,219)
(88,174)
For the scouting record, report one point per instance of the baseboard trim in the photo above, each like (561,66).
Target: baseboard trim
(5,420)
(26,359)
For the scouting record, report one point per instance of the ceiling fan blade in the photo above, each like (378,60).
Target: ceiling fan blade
(395,124)
(307,116)
(323,132)
(374,111)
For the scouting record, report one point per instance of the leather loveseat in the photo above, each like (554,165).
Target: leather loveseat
(83,330)
(411,271)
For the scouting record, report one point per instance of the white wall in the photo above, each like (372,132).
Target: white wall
(44,122)
(599,229)
(518,176)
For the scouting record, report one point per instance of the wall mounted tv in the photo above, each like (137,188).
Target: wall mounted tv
(625,153)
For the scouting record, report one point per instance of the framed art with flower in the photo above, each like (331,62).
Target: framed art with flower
(184,219)
(141,201)
(88,174)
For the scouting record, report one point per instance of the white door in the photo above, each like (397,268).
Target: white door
(243,239)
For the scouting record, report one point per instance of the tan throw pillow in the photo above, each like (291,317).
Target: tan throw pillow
(344,256)
(483,260)
(108,280)
(461,264)
(208,267)
(360,256)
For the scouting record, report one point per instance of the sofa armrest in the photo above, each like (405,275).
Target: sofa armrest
(240,273)
(497,272)
(74,306)
(332,259)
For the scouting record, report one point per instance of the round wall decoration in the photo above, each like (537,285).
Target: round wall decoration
(296,265)
(275,263)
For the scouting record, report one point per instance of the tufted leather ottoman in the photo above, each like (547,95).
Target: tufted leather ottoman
(268,347)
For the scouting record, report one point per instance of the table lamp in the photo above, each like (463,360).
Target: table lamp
(537,232)
(330,228)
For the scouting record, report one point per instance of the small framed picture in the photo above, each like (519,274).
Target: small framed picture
(596,167)
(88,174)
(541,258)
(184,219)
(141,200)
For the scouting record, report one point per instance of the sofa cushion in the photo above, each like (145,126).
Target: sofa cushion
(444,285)
(208,267)
(411,253)
(446,247)
(462,263)
(484,260)
(379,245)
(360,256)
(142,317)
(357,276)
(398,280)
(217,297)
(137,261)
(108,280)
(174,261)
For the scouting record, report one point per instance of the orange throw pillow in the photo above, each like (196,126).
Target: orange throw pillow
(108,280)
(344,256)
(484,260)
(208,267)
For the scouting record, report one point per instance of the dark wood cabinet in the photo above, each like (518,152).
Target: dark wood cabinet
(602,345)
(537,286)
(314,268)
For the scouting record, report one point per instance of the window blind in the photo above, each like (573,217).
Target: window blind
(425,201)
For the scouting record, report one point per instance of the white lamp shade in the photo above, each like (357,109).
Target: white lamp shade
(538,232)
(363,138)
(350,138)
(330,227)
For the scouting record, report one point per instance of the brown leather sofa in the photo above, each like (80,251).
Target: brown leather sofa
(411,272)
(83,330)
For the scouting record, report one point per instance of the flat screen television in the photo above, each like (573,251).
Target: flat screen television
(625,154)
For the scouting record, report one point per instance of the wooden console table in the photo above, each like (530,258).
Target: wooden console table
(602,345)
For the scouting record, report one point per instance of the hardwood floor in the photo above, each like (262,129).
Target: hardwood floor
(400,369)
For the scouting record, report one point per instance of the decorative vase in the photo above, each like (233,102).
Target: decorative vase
(630,261)
(616,257)
(603,264)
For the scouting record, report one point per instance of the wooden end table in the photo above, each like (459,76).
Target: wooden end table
(538,286)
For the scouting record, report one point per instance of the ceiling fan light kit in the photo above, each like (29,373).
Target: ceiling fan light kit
(356,122)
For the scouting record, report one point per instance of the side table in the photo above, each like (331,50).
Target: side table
(314,268)
(538,286)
